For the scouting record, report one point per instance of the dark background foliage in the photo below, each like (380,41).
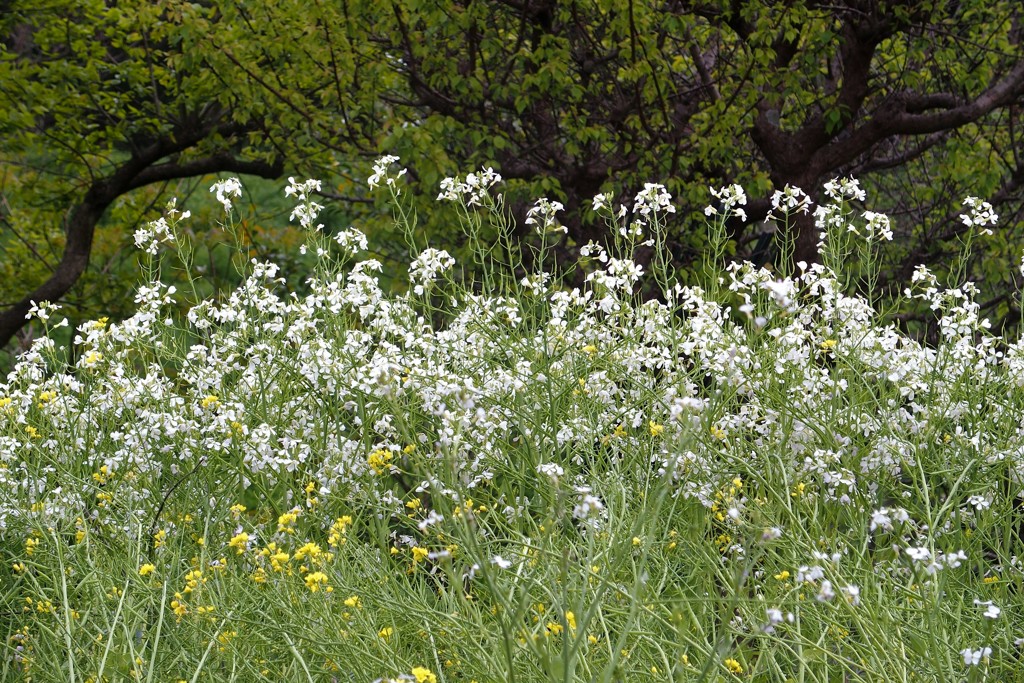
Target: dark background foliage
(109,109)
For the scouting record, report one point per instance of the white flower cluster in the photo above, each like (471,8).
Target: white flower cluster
(351,241)
(845,189)
(545,209)
(226,190)
(428,265)
(472,190)
(654,198)
(731,197)
(789,200)
(155,233)
(981,215)
(306,210)
(381,169)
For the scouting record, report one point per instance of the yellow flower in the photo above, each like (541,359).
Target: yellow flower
(239,542)
(570,619)
(733,666)
(419,554)
(287,520)
(352,602)
(423,675)
(656,429)
(278,560)
(554,628)
(178,606)
(386,632)
(147,569)
(337,534)
(210,402)
(380,461)
(316,580)
(310,550)
(236,510)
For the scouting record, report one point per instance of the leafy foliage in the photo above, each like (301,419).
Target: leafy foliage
(565,99)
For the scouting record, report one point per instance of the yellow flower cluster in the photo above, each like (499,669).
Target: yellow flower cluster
(380,461)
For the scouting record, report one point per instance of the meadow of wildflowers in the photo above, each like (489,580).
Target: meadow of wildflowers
(501,477)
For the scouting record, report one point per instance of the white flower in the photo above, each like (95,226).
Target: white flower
(589,506)
(226,189)
(654,198)
(594,249)
(301,190)
(546,209)
(954,560)
(981,215)
(775,617)
(351,241)
(809,574)
(536,283)
(155,233)
(839,190)
(878,226)
(501,562)
(789,200)
(307,210)
(992,611)
(41,310)
(427,266)
(473,190)
(431,519)
(919,554)
(880,519)
(731,196)
(380,171)
(979,502)
(550,469)
(974,657)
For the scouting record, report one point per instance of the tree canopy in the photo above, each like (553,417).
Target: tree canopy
(921,100)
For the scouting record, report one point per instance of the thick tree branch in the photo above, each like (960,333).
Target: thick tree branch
(80,227)
(904,115)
